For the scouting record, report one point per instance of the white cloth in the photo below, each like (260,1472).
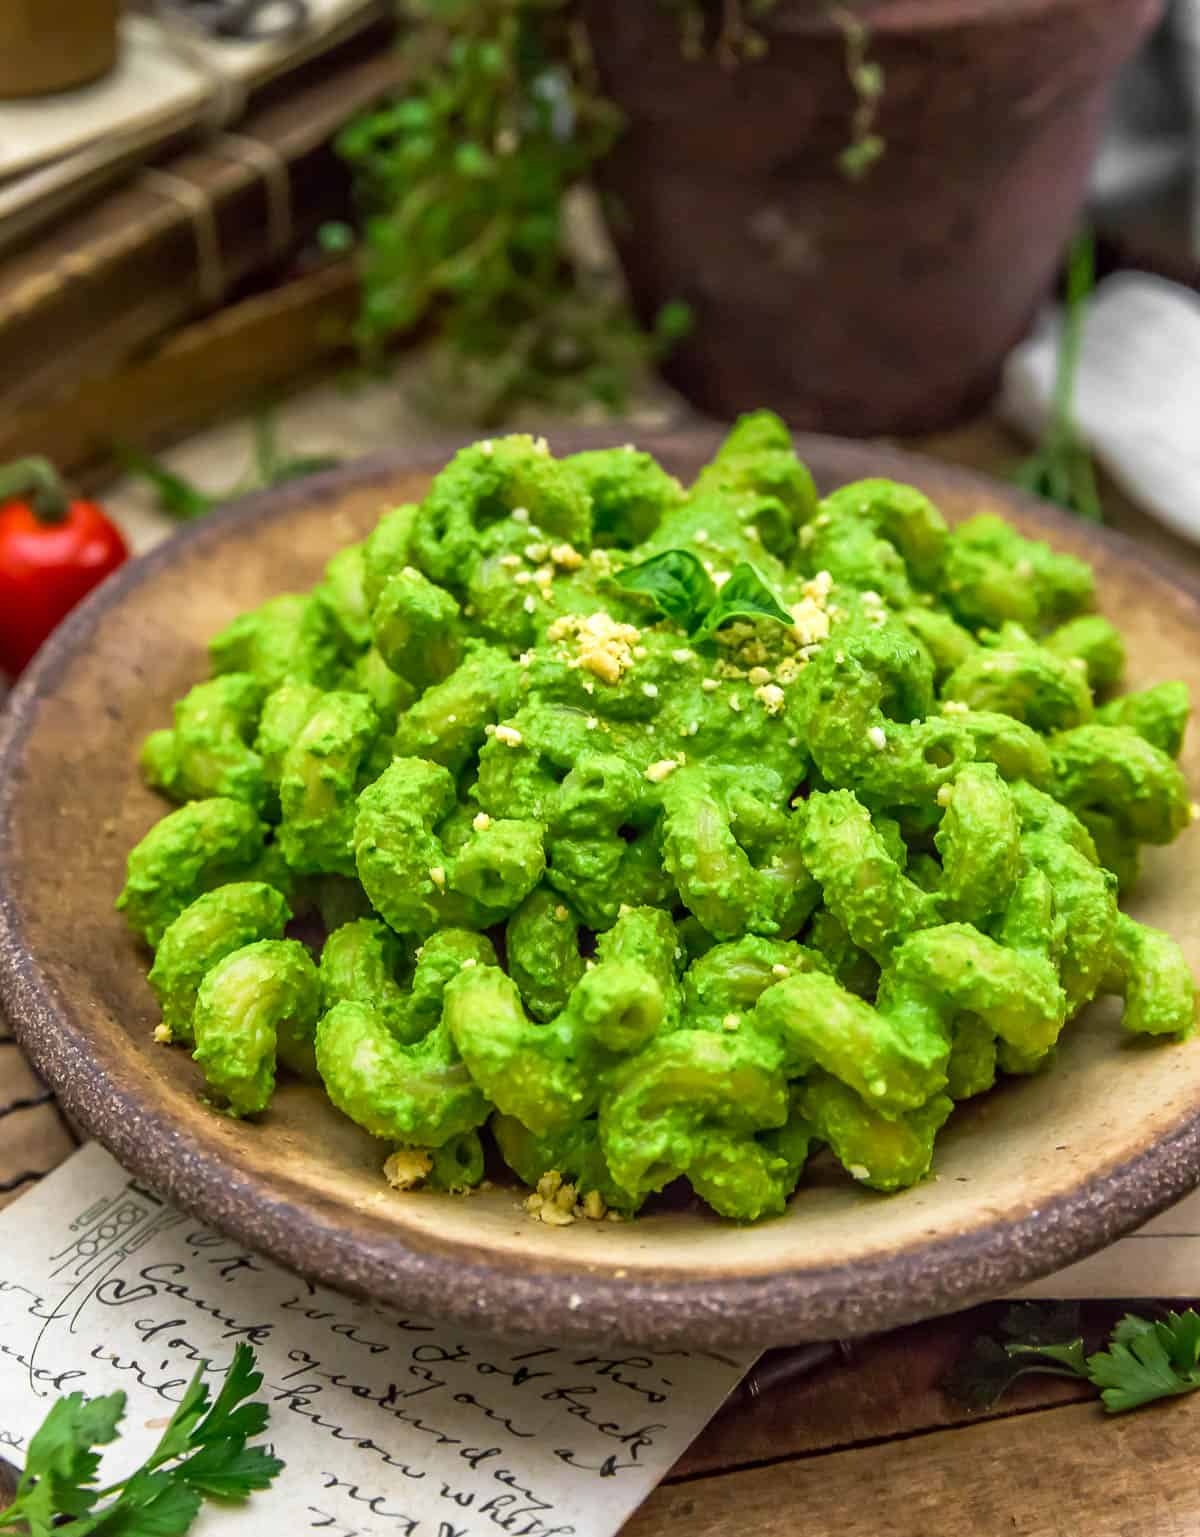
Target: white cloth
(1137,392)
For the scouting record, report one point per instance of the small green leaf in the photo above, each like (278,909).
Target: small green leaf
(176,496)
(1129,1328)
(229,1470)
(674,321)
(175,1440)
(857,159)
(1069,1355)
(1148,1361)
(676,582)
(225,1418)
(745,595)
(302,466)
(151,1505)
(335,237)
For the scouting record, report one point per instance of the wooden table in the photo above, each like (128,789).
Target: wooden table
(873,1447)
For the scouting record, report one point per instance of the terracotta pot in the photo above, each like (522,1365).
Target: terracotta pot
(52,45)
(885,305)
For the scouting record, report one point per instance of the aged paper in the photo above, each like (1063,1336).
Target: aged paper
(388,1424)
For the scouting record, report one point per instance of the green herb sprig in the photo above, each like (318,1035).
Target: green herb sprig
(465,188)
(678,585)
(1146,1358)
(181,498)
(202,1454)
(1061,470)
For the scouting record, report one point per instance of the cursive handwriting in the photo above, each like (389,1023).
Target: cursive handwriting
(390,1425)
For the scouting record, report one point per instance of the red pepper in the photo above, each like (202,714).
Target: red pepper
(53,551)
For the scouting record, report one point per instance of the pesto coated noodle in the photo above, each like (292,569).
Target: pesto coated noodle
(659,832)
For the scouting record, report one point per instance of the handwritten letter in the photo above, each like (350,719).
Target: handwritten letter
(391,1426)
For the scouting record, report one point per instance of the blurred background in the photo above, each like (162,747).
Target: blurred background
(243,239)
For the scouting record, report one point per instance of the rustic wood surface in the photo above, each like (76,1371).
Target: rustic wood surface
(871,1446)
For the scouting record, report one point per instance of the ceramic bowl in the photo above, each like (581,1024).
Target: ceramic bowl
(1030,1178)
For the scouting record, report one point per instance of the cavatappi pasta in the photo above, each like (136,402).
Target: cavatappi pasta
(659,832)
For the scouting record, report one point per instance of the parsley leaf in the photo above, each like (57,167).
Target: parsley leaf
(745,595)
(675,582)
(1070,1355)
(1035,1340)
(1148,1360)
(201,1454)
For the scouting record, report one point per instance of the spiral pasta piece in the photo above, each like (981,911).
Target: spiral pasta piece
(363,961)
(855,745)
(879,535)
(980,845)
(948,643)
(406,870)
(683,1098)
(1159,714)
(860,880)
(458,1164)
(212,927)
(485,484)
(417,629)
(204,844)
(955,969)
(756,470)
(418,1093)
(1028,682)
(209,753)
(276,642)
(894,1063)
(1150,973)
(738,862)
(542,944)
(1114,770)
(992,575)
(1096,643)
(318,784)
(448,723)
(385,550)
(338,605)
(728,980)
(882,1152)
(255,1005)
(548,1075)
(601,843)
(629,491)
(1016,749)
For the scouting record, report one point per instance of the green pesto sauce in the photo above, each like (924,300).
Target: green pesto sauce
(632,897)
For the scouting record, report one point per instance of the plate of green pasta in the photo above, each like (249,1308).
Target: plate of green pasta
(720,891)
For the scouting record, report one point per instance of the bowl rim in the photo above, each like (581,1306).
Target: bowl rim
(300,1230)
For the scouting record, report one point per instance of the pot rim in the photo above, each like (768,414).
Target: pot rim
(902,18)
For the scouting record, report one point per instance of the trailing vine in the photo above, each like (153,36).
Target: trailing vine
(467,183)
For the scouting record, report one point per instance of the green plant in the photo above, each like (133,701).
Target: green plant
(465,184)
(1146,1359)
(468,182)
(202,1454)
(181,498)
(1061,469)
